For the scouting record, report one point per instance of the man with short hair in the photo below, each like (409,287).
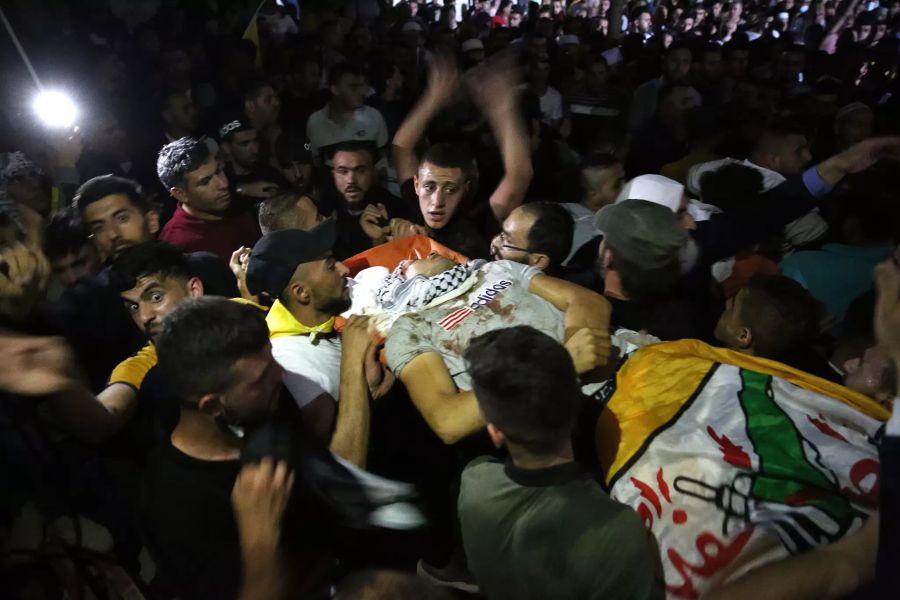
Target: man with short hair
(539,525)
(204,219)
(774,317)
(537,234)
(444,176)
(602,178)
(676,68)
(179,115)
(289,209)
(215,355)
(346,117)
(68,247)
(665,137)
(116,213)
(262,107)
(249,177)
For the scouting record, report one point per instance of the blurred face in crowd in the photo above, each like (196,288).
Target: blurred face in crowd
(603,185)
(116,223)
(735,11)
(265,108)
(687,24)
(864,32)
(556,7)
(675,105)
(854,128)
(29,190)
(350,91)
(354,174)
(298,174)
(873,374)
(716,10)
(243,149)
(323,285)
(254,391)
(431,265)
(677,64)
(175,64)
(205,189)
(180,114)
(309,77)
(155,296)
(73,266)
(644,23)
(792,156)
(440,191)
(515,19)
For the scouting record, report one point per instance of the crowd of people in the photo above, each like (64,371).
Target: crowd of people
(213,384)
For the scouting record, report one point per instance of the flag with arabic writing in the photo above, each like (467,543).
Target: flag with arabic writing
(734,461)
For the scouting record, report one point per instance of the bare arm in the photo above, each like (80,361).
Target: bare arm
(451,414)
(858,157)
(839,24)
(494,87)
(350,440)
(443,81)
(582,307)
(831,571)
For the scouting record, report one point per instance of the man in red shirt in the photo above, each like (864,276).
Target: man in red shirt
(205,218)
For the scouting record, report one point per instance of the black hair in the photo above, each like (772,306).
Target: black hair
(552,231)
(781,314)
(526,386)
(730,186)
(97,188)
(148,258)
(66,234)
(202,339)
(279,211)
(179,158)
(451,156)
(336,72)
(355,146)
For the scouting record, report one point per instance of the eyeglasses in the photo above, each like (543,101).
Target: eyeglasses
(504,243)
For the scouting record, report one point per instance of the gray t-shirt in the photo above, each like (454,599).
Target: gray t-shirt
(499,299)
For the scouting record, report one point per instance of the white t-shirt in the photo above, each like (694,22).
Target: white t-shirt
(499,299)
(551,106)
(311,369)
(367,125)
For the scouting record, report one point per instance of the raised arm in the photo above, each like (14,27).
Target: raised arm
(494,86)
(443,82)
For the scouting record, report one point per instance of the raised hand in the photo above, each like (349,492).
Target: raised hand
(24,275)
(258,189)
(35,366)
(589,349)
(494,83)
(375,223)
(401,228)
(259,497)
(444,80)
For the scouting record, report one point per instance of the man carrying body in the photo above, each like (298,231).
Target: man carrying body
(297,268)
(205,218)
(589,546)
(447,304)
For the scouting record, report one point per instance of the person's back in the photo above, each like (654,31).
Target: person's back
(551,533)
(540,526)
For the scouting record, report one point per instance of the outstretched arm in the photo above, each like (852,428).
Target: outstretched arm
(443,82)
(493,85)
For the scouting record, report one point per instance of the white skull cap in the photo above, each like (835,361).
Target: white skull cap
(653,188)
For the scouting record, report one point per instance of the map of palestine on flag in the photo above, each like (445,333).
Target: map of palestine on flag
(734,461)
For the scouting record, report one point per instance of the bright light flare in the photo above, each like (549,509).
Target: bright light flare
(55,109)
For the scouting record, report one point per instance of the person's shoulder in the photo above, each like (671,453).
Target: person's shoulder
(482,469)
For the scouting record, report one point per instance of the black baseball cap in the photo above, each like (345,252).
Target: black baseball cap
(277,255)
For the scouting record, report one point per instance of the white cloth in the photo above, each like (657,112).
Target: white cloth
(310,369)
(551,105)
(367,125)
(893,425)
(653,188)
(585,230)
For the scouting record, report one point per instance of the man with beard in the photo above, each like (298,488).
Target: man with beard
(205,218)
(216,356)
(362,203)
(310,286)
(250,179)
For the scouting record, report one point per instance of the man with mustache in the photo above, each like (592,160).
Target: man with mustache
(353,170)
(205,218)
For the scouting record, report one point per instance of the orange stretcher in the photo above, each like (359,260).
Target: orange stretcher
(390,254)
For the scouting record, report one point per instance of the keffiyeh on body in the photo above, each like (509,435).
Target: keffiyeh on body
(398,294)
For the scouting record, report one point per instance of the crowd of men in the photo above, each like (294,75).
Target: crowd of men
(186,410)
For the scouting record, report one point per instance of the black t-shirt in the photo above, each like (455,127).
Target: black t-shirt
(669,318)
(351,237)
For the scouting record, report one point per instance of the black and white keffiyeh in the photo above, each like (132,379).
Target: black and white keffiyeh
(398,293)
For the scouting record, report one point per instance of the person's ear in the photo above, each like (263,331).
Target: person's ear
(152,217)
(178,194)
(541,261)
(497,437)
(744,338)
(299,292)
(210,405)
(416,183)
(195,287)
